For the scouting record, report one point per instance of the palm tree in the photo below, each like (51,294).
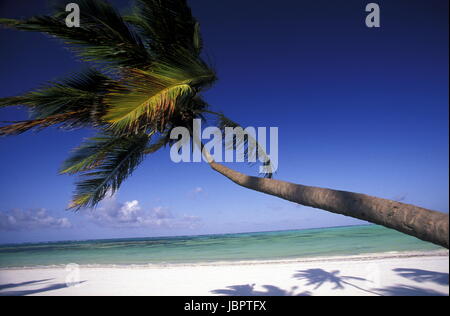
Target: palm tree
(145,77)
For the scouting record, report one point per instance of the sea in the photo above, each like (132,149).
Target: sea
(274,245)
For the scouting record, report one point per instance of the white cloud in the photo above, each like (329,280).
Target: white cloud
(18,219)
(198,191)
(131,215)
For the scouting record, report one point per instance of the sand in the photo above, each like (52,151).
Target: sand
(379,274)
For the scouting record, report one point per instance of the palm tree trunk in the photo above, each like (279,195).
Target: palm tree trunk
(419,222)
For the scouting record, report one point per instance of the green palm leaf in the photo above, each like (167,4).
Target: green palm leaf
(147,100)
(168,25)
(104,170)
(251,148)
(90,154)
(103,36)
(65,120)
(77,101)
(162,141)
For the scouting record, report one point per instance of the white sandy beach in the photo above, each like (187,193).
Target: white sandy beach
(380,274)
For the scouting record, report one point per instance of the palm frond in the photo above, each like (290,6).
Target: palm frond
(161,142)
(252,150)
(137,110)
(103,36)
(198,40)
(147,100)
(168,25)
(84,91)
(65,120)
(13,101)
(82,95)
(90,154)
(106,169)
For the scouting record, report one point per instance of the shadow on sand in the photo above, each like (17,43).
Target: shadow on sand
(18,292)
(418,276)
(316,278)
(13,285)
(319,277)
(249,290)
(421,276)
(407,290)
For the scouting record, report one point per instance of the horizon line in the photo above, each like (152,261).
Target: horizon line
(181,236)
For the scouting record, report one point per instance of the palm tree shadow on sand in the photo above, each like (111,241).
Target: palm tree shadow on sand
(319,277)
(249,290)
(418,276)
(14,285)
(18,292)
(407,290)
(421,276)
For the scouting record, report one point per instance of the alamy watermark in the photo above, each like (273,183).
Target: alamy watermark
(236,144)
(372,19)
(217,148)
(73,275)
(73,18)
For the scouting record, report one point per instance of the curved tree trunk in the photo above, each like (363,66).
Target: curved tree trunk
(419,222)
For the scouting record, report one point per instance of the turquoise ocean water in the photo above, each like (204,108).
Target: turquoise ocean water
(338,241)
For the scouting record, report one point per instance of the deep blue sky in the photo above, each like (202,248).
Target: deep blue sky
(358,109)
